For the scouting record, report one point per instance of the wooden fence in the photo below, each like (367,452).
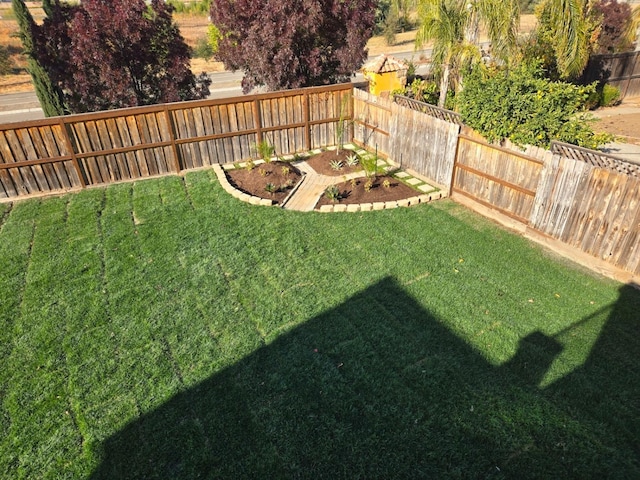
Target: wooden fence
(76,151)
(585,199)
(593,207)
(413,139)
(500,178)
(621,70)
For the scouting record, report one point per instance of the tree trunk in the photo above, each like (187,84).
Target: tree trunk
(444,86)
(472,29)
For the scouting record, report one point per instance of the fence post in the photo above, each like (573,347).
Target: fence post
(307,120)
(351,115)
(172,137)
(74,158)
(455,164)
(257,120)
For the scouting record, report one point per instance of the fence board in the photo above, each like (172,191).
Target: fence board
(502,178)
(373,122)
(47,148)
(39,173)
(24,174)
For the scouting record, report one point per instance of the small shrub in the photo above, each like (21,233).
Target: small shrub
(264,150)
(352,160)
(6,65)
(286,171)
(354,183)
(262,172)
(336,164)
(203,49)
(370,166)
(333,193)
(386,184)
(213,37)
(250,165)
(368,186)
(610,96)
(271,188)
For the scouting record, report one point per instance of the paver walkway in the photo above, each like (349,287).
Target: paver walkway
(312,187)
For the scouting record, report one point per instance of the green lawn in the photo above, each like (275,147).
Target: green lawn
(163,329)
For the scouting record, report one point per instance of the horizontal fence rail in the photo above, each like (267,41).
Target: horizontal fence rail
(498,177)
(76,151)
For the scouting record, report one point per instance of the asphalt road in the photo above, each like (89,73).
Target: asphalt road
(22,107)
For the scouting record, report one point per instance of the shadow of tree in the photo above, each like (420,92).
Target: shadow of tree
(379,388)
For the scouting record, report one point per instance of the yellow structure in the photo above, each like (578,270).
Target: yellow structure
(385,74)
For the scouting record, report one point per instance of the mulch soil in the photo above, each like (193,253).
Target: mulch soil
(282,175)
(354,193)
(254,181)
(321,163)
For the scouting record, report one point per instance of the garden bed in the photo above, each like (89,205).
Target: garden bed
(383,188)
(273,180)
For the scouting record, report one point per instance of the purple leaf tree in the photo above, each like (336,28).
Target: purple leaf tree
(117,53)
(295,43)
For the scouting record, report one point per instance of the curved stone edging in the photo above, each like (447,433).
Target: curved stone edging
(365,207)
(357,207)
(234,192)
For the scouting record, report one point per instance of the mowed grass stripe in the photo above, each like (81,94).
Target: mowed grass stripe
(38,399)
(86,318)
(16,237)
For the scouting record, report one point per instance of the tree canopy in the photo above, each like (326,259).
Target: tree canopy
(522,105)
(292,44)
(114,54)
(453,26)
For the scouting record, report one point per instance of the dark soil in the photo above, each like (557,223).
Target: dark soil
(321,163)
(354,194)
(254,181)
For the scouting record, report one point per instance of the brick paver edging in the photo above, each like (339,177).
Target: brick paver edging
(361,207)
(365,207)
(234,192)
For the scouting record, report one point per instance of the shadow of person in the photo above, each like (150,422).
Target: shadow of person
(378,388)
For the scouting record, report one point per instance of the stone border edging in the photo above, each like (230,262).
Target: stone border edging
(356,207)
(365,207)
(234,192)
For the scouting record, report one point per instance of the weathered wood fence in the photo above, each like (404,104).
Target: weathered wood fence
(76,151)
(411,138)
(582,198)
(621,70)
(504,179)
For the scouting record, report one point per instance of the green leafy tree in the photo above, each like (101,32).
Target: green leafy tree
(565,36)
(632,32)
(521,104)
(453,26)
